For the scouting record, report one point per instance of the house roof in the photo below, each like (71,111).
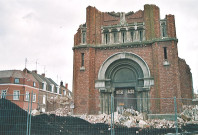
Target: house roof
(16,74)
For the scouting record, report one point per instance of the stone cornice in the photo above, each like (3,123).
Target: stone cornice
(123,45)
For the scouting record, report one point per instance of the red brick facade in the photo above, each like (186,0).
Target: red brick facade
(164,71)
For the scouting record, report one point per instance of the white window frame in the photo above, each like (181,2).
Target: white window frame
(34,97)
(44,99)
(16,94)
(27,96)
(3,93)
(44,85)
(58,89)
(43,109)
(34,84)
(52,87)
(64,92)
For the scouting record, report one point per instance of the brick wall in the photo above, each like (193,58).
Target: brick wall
(167,78)
(186,80)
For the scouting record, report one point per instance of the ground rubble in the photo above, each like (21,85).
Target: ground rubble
(131,118)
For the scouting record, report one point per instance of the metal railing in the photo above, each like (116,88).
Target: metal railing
(163,116)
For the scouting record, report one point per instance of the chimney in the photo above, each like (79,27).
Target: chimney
(25,70)
(66,85)
(43,74)
(61,83)
(34,71)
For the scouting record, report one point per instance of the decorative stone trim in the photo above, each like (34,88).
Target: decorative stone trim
(82,68)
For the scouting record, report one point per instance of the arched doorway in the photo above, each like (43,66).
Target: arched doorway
(127,77)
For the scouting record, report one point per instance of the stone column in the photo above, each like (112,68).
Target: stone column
(144,36)
(128,35)
(102,37)
(111,37)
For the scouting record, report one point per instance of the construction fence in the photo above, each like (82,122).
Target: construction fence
(120,116)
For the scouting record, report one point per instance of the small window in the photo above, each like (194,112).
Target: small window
(106,38)
(58,89)
(16,95)
(141,35)
(44,85)
(44,99)
(3,93)
(51,87)
(43,109)
(16,80)
(82,59)
(27,96)
(34,97)
(64,92)
(34,84)
(123,37)
(163,29)
(83,37)
(132,33)
(165,53)
(115,37)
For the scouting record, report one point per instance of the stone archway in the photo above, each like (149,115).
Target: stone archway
(124,72)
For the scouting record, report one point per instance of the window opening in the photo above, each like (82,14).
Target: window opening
(141,35)
(163,28)
(44,99)
(27,96)
(84,37)
(165,53)
(34,97)
(16,95)
(34,84)
(114,36)
(82,59)
(3,93)
(132,35)
(16,80)
(123,36)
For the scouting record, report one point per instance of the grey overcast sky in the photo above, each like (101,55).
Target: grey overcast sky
(42,31)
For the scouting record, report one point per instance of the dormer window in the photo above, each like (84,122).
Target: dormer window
(44,85)
(51,87)
(57,87)
(34,84)
(64,92)
(16,80)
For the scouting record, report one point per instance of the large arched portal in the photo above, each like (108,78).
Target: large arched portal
(127,77)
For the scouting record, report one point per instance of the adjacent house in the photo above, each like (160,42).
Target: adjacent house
(18,86)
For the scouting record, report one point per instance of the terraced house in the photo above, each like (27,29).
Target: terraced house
(128,55)
(18,86)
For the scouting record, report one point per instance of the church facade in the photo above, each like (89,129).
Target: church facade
(130,56)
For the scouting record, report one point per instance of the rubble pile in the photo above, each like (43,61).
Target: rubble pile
(190,113)
(60,100)
(129,118)
(61,111)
